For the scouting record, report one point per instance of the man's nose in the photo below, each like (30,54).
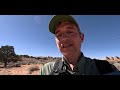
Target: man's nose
(64,38)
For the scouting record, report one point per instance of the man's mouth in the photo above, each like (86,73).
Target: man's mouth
(66,46)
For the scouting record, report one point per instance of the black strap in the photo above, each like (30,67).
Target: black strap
(57,67)
(103,66)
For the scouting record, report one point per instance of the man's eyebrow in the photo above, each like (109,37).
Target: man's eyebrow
(69,27)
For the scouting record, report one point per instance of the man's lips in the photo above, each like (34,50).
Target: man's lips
(66,46)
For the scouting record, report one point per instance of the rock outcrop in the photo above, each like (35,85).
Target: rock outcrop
(113,58)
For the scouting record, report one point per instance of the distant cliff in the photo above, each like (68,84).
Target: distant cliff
(112,58)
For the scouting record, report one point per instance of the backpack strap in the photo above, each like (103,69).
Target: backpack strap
(103,66)
(57,67)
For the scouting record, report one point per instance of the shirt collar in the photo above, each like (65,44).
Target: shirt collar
(80,65)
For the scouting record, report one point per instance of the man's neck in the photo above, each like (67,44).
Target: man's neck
(72,60)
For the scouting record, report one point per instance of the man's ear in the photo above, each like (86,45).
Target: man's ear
(82,37)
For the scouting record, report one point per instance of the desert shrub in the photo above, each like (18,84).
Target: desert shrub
(17,65)
(34,68)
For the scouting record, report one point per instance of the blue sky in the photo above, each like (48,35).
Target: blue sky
(29,35)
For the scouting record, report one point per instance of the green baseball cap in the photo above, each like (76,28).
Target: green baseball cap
(58,18)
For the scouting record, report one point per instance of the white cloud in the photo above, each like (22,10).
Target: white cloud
(37,19)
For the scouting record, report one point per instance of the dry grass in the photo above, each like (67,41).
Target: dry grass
(23,70)
(28,66)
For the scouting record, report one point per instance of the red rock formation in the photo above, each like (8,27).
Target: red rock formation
(113,58)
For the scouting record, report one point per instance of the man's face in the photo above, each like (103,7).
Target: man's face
(68,38)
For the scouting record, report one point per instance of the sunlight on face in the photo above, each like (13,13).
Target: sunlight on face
(68,38)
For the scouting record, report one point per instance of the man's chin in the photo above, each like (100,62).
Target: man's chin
(67,53)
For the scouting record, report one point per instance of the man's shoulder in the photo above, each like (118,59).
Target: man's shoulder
(97,62)
(47,68)
(49,64)
(89,60)
(104,66)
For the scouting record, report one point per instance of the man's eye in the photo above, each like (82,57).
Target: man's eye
(69,32)
(59,35)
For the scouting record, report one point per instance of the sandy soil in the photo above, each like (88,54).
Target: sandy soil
(23,70)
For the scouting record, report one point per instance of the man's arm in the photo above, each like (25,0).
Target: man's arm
(47,68)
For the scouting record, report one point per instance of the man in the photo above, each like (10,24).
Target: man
(69,39)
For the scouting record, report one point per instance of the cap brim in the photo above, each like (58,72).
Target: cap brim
(58,18)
